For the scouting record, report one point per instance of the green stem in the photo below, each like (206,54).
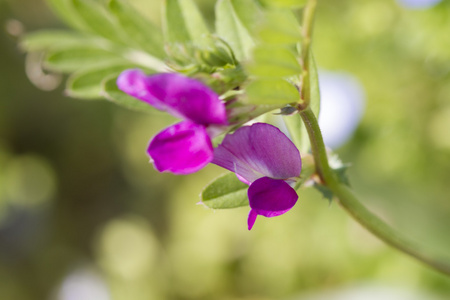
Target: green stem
(350,203)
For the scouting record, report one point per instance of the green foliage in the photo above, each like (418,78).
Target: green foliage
(249,13)
(87,84)
(271,91)
(313,81)
(111,35)
(285,3)
(273,61)
(142,33)
(225,192)
(109,39)
(183,22)
(298,132)
(324,191)
(98,20)
(72,59)
(280,27)
(230,27)
(48,39)
(65,10)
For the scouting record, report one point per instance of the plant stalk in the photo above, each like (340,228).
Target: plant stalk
(350,203)
(345,196)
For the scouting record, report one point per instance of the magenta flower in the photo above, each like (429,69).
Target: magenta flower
(263,157)
(185,147)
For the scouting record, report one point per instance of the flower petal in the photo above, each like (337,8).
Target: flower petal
(179,95)
(182,148)
(257,151)
(270,198)
(251,219)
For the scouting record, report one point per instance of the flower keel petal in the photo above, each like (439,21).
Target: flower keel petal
(271,197)
(182,148)
(251,219)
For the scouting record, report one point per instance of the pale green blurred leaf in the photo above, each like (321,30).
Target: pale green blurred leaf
(273,62)
(324,191)
(226,191)
(297,131)
(285,3)
(98,20)
(87,84)
(112,93)
(248,12)
(271,91)
(48,39)
(144,34)
(280,27)
(230,28)
(76,58)
(183,22)
(65,10)
(314,85)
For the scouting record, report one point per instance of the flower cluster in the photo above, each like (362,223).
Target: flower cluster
(260,155)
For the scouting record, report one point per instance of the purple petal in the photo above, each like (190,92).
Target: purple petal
(179,95)
(256,151)
(270,198)
(251,219)
(182,148)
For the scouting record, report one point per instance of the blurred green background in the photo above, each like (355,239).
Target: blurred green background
(83,215)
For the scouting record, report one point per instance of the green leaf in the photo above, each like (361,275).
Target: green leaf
(112,93)
(65,10)
(88,84)
(248,12)
(339,168)
(76,58)
(298,132)
(144,34)
(326,193)
(280,27)
(271,91)
(98,20)
(314,85)
(225,192)
(285,3)
(230,28)
(183,22)
(342,175)
(48,39)
(273,62)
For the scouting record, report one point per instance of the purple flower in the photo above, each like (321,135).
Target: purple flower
(263,157)
(185,147)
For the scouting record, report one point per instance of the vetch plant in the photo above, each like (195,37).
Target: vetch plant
(258,60)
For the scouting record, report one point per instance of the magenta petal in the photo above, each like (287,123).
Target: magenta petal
(251,219)
(271,197)
(133,82)
(256,151)
(179,95)
(182,148)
